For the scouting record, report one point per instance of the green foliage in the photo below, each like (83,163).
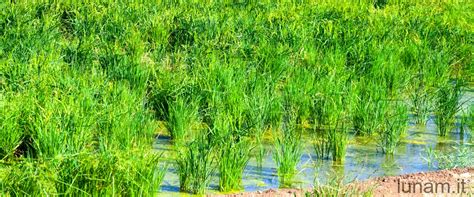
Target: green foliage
(421,99)
(194,165)
(335,187)
(369,108)
(470,119)
(288,150)
(234,155)
(83,80)
(447,106)
(393,128)
(459,157)
(136,172)
(183,114)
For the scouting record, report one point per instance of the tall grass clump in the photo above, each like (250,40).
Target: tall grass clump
(329,111)
(470,119)
(321,112)
(393,128)
(331,141)
(259,106)
(447,106)
(194,164)
(138,172)
(322,145)
(183,114)
(288,150)
(234,155)
(338,138)
(421,99)
(368,107)
(112,172)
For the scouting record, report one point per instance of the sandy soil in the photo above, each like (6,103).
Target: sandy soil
(431,184)
(439,183)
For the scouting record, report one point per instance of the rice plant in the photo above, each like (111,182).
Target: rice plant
(338,138)
(470,119)
(331,142)
(234,155)
(183,114)
(421,101)
(84,86)
(111,173)
(288,150)
(459,157)
(329,113)
(258,114)
(466,122)
(447,106)
(368,108)
(322,147)
(393,129)
(194,164)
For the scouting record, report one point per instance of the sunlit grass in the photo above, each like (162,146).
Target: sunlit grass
(447,106)
(82,85)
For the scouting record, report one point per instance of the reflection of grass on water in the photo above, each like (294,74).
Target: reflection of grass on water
(390,166)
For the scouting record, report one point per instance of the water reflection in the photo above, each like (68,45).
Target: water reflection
(362,161)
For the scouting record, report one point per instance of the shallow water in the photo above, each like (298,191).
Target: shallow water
(363,161)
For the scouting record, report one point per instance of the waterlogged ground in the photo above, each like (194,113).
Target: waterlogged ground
(363,161)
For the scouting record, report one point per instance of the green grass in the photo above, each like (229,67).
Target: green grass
(233,152)
(335,186)
(469,120)
(322,147)
(368,108)
(459,157)
(421,100)
(194,163)
(288,150)
(393,129)
(258,115)
(447,106)
(84,80)
(182,116)
(234,155)
(137,172)
(338,138)
(330,113)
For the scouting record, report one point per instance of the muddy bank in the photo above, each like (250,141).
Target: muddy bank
(454,182)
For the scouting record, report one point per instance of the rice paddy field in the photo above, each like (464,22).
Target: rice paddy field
(203,97)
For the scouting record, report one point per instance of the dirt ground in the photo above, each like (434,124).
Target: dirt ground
(454,182)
